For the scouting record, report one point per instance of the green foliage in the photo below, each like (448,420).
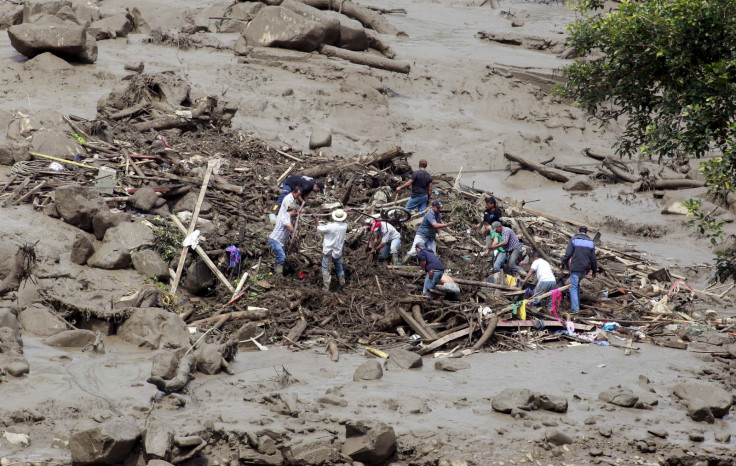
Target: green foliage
(168,240)
(706,224)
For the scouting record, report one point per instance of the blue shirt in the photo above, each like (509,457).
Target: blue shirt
(426,230)
(433,262)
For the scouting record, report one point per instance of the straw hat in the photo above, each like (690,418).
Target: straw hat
(339,215)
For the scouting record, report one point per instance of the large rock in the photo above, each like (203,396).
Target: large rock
(12,152)
(275,26)
(619,396)
(67,40)
(144,199)
(313,448)
(369,370)
(12,360)
(78,205)
(111,27)
(556,404)
(56,143)
(369,442)
(158,440)
(402,359)
(10,14)
(579,183)
(187,203)
(451,365)
(109,443)
(39,320)
(110,256)
(47,62)
(105,219)
(82,248)
(32,9)
(331,23)
(165,363)
(149,263)
(209,359)
(320,137)
(132,235)
(154,328)
(555,437)
(199,277)
(514,398)
(8,319)
(71,338)
(352,33)
(718,400)
(239,10)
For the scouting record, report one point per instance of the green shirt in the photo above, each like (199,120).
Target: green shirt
(494,234)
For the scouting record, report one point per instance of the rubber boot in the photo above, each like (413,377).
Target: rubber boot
(395,258)
(341,279)
(326,280)
(279,270)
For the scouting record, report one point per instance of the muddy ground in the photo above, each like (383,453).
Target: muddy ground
(466,101)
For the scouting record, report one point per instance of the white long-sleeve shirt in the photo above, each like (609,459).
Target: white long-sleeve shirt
(334,234)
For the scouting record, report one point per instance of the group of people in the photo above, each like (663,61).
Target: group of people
(503,248)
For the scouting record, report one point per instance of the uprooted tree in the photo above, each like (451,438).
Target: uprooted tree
(668,67)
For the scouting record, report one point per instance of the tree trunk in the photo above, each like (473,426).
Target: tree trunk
(364,58)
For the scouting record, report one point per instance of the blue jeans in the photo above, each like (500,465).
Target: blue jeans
(541,288)
(513,259)
(337,261)
(278,250)
(431,283)
(420,202)
(392,247)
(285,190)
(575,278)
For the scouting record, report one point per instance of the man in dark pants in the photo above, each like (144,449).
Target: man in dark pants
(431,265)
(421,188)
(580,258)
(301,186)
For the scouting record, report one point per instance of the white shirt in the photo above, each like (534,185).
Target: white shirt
(389,233)
(334,238)
(280,233)
(288,200)
(544,271)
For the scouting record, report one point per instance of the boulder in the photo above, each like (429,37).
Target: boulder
(105,219)
(47,62)
(111,27)
(199,277)
(10,14)
(579,183)
(82,248)
(8,319)
(352,33)
(165,364)
(451,365)
(78,205)
(718,400)
(555,437)
(108,443)
(202,21)
(132,235)
(331,23)
(369,442)
(12,152)
(555,404)
(320,137)
(12,360)
(71,338)
(403,359)
(56,143)
(90,50)
(110,256)
(513,399)
(144,199)
(209,359)
(312,448)
(240,10)
(674,208)
(67,40)
(158,440)
(154,328)
(86,12)
(34,8)
(40,320)
(369,370)
(699,411)
(619,396)
(275,26)
(187,203)
(149,263)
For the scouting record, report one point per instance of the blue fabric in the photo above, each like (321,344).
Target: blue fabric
(513,256)
(426,230)
(431,283)
(420,202)
(278,250)
(336,261)
(285,190)
(393,246)
(543,287)
(233,256)
(433,262)
(575,291)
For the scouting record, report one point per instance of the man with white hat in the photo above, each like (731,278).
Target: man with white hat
(387,240)
(334,234)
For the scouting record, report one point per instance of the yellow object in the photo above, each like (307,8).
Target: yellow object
(57,159)
(522,310)
(510,280)
(377,352)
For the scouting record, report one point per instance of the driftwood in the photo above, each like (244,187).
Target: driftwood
(594,155)
(334,353)
(416,312)
(619,172)
(673,184)
(533,243)
(296,331)
(492,322)
(375,42)
(547,172)
(365,16)
(251,313)
(378,159)
(200,113)
(416,326)
(187,365)
(460,281)
(444,340)
(364,58)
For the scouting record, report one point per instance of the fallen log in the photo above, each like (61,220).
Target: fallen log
(251,313)
(547,172)
(594,155)
(416,311)
(460,281)
(365,16)
(492,322)
(446,339)
(619,172)
(180,380)
(334,353)
(296,331)
(375,42)
(363,58)
(674,184)
(533,244)
(378,159)
(416,326)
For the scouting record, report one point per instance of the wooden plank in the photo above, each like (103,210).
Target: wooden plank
(416,311)
(546,323)
(414,324)
(446,339)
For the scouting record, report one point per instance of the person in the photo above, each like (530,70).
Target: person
(493,249)
(431,265)
(429,229)
(512,246)
(387,241)
(334,239)
(281,234)
(449,285)
(300,186)
(421,188)
(580,259)
(492,214)
(546,280)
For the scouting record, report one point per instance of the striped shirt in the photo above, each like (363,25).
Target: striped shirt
(513,243)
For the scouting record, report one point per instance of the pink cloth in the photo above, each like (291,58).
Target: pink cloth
(556,302)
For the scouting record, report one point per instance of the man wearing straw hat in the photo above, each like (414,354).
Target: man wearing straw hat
(334,238)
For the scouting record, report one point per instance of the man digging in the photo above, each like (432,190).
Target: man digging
(280,235)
